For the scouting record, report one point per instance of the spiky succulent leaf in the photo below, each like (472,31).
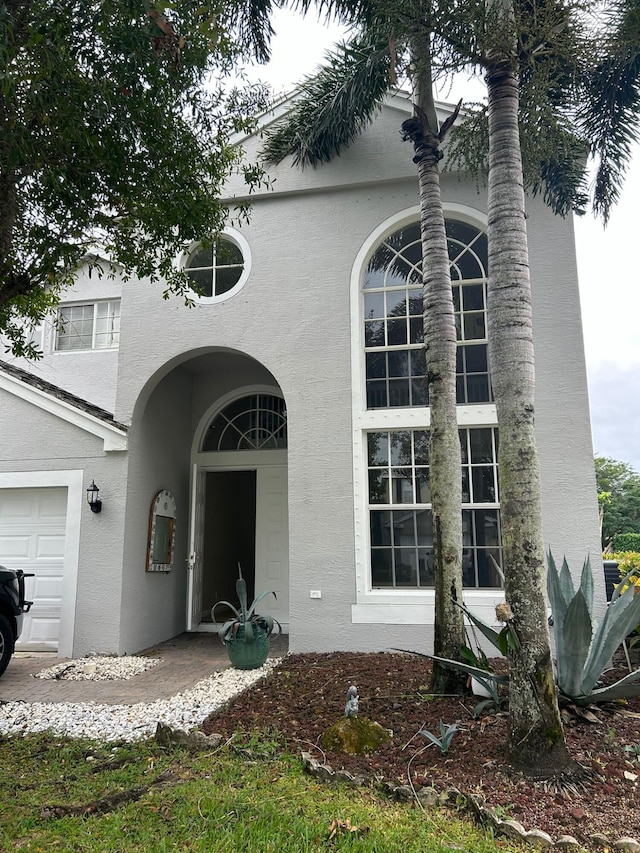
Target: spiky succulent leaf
(446,733)
(267,623)
(576,630)
(484,705)
(621,587)
(586,585)
(620,619)
(433,738)
(225,604)
(566,582)
(241,592)
(486,630)
(444,741)
(257,601)
(227,630)
(475,671)
(559,603)
(624,688)
(480,660)
(490,685)
(582,653)
(248,632)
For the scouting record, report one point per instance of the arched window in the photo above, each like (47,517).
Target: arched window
(393,459)
(255,422)
(393,333)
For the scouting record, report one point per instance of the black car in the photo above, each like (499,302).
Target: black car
(12,608)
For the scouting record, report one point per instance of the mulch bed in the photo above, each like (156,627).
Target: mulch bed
(306,694)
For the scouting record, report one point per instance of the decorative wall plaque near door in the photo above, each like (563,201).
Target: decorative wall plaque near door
(162,533)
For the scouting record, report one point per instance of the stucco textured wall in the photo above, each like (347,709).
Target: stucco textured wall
(89,374)
(43,442)
(290,327)
(153,604)
(293,317)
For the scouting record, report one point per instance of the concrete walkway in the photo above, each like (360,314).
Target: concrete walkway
(185,660)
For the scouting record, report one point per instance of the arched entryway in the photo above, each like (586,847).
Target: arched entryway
(239,505)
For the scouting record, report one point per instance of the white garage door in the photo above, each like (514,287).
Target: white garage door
(32,531)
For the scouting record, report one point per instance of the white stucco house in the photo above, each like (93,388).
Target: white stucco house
(281,423)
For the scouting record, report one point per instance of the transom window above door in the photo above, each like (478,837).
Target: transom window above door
(219,268)
(392,317)
(254,422)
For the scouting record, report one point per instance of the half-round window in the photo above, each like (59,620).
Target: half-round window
(393,332)
(255,422)
(220,268)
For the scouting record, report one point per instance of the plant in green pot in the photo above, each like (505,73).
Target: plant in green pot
(246,635)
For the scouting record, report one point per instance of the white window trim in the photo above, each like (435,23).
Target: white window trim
(397,606)
(237,238)
(92,348)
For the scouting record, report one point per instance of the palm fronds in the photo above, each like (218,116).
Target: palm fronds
(611,113)
(335,104)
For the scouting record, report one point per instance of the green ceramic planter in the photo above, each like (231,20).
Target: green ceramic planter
(248,655)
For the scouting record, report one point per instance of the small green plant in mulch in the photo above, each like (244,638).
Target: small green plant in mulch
(58,794)
(443,742)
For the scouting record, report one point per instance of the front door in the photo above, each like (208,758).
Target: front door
(195,561)
(272,541)
(239,518)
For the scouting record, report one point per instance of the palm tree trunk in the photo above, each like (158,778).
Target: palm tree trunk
(440,345)
(536,739)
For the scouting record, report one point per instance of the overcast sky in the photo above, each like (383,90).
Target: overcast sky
(609,287)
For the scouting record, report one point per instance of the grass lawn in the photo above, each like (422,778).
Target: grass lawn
(69,795)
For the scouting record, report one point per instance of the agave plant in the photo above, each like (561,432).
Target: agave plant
(444,741)
(247,626)
(584,647)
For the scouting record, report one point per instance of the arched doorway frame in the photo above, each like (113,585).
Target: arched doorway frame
(271,536)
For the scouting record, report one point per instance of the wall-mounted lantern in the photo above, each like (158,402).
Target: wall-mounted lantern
(93,498)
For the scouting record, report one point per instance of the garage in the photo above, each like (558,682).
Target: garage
(32,538)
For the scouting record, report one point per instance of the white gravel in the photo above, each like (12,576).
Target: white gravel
(130,722)
(98,668)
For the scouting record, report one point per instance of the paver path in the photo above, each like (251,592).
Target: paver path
(185,660)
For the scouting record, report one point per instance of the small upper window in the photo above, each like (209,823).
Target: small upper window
(94,325)
(218,269)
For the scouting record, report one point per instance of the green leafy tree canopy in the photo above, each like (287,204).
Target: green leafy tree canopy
(619,496)
(115,126)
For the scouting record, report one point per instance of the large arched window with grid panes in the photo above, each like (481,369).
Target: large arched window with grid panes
(393,335)
(397,456)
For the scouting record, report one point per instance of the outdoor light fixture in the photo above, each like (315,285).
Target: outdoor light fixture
(92,498)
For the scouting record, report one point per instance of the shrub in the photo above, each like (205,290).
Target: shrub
(626,542)
(628,561)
